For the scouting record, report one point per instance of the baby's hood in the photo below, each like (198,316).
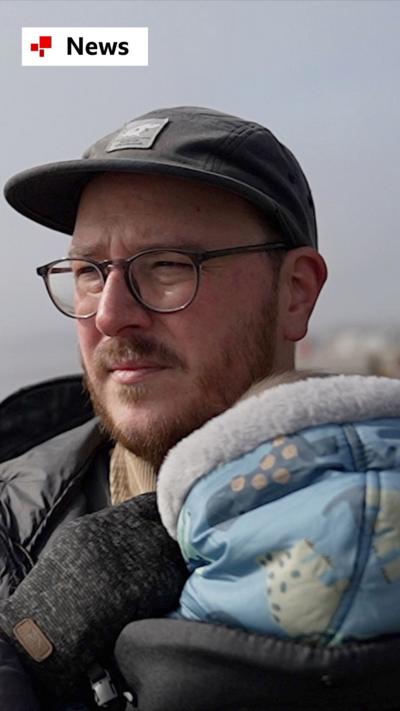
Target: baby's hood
(277,411)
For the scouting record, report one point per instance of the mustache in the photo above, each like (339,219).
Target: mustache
(135,349)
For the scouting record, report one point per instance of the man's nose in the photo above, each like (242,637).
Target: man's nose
(118,309)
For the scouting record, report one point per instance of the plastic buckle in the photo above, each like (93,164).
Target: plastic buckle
(104,689)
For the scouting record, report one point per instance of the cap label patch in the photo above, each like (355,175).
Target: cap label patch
(137,134)
(33,640)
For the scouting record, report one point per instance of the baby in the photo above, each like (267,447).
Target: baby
(287,510)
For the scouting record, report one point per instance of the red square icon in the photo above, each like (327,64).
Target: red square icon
(45,42)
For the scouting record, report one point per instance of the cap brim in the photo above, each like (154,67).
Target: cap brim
(50,194)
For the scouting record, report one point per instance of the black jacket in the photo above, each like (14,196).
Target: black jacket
(55,468)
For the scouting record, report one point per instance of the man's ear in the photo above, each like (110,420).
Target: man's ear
(303,274)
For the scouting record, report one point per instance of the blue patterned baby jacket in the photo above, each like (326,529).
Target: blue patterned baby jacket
(287,511)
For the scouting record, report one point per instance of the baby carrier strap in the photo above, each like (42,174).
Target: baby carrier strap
(179,665)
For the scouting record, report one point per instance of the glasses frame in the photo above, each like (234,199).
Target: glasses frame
(197,258)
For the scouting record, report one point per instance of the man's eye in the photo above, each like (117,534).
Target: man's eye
(86,272)
(166,271)
(88,278)
(171,268)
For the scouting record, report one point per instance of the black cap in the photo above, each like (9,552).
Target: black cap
(189,142)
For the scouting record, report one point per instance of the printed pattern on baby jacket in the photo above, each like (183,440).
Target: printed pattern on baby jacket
(299,535)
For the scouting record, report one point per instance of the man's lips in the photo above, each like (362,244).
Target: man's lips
(132,372)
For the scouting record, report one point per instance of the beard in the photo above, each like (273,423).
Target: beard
(245,356)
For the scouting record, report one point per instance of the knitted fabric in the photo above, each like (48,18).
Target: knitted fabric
(129,475)
(102,571)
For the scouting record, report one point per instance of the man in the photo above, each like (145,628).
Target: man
(193,270)
(196,180)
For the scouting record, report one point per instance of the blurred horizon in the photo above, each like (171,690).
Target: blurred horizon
(323,76)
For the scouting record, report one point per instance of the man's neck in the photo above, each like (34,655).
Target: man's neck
(129,475)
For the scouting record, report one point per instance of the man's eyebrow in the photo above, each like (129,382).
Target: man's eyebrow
(93,253)
(82,251)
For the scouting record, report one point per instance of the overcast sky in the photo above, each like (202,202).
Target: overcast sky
(323,76)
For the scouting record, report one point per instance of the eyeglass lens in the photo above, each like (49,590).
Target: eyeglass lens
(164,281)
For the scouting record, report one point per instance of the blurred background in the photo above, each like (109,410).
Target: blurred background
(323,76)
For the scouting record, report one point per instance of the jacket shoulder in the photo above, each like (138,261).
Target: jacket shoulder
(39,412)
(50,441)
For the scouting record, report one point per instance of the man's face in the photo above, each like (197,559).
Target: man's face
(154,377)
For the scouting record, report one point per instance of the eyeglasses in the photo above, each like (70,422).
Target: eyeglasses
(161,280)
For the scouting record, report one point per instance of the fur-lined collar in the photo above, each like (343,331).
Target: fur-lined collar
(280,410)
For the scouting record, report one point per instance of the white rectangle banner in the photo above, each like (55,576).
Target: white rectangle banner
(85,46)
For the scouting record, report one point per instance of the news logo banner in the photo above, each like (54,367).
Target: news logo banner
(85,47)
